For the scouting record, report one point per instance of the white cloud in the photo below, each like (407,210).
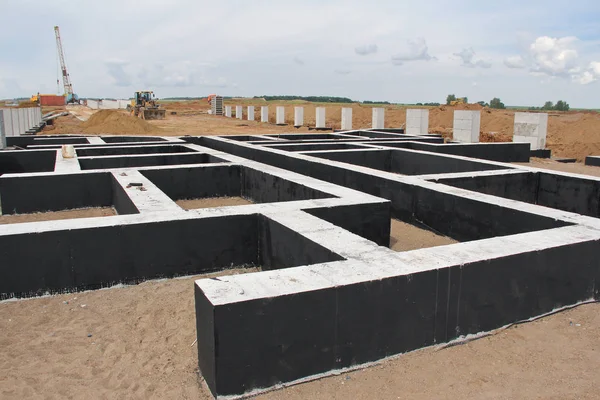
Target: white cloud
(298,61)
(554,56)
(515,62)
(592,74)
(366,49)
(469,60)
(415,50)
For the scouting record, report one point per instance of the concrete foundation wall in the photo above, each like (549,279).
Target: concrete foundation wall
(145,161)
(239,112)
(78,258)
(13,162)
(503,152)
(228,111)
(359,323)
(197,182)
(56,192)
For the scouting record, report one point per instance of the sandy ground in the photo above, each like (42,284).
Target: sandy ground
(405,237)
(190,204)
(56,215)
(575,168)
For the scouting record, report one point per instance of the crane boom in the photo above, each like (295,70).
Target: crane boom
(63,66)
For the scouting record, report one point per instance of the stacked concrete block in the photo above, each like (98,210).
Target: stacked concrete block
(417,122)
(216,105)
(109,104)
(531,128)
(250,113)
(264,114)
(280,116)
(378,118)
(93,104)
(239,112)
(346,119)
(18,121)
(467,125)
(228,111)
(298,116)
(2,131)
(320,118)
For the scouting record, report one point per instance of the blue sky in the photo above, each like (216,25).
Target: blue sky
(400,51)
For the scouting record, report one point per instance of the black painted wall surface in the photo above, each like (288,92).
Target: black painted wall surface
(30,194)
(93,257)
(146,161)
(197,182)
(16,162)
(520,187)
(295,336)
(125,150)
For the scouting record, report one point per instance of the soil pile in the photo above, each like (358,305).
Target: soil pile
(117,122)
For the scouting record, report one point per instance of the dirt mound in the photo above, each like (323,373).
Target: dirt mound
(117,122)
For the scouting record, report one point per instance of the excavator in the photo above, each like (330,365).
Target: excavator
(144,106)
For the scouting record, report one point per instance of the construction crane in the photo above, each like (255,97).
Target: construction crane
(69,95)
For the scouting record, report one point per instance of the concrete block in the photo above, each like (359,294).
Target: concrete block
(346,119)
(320,117)
(239,112)
(250,113)
(109,104)
(264,114)
(93,104)
(417,122)
(467,125)
(378,118)
(533,126)
(228,111)
(22,120)
(14,123)
(298,116)
(280,120)
(2,130)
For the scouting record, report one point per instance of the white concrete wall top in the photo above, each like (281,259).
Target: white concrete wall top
(531,128)
(239,112)
(346,119)
(228,111)
(467,126)
(250,113)
(264,114)
(320,117)
(378,118)
(280,115)
(417,122)
(298,116)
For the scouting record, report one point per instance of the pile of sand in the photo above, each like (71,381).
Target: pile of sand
(117,122)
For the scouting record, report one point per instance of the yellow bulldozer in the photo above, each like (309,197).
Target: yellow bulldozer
(144,106)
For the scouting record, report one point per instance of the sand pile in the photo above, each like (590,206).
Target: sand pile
(117,122)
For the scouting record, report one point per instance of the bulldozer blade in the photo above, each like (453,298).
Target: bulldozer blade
(154,114)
